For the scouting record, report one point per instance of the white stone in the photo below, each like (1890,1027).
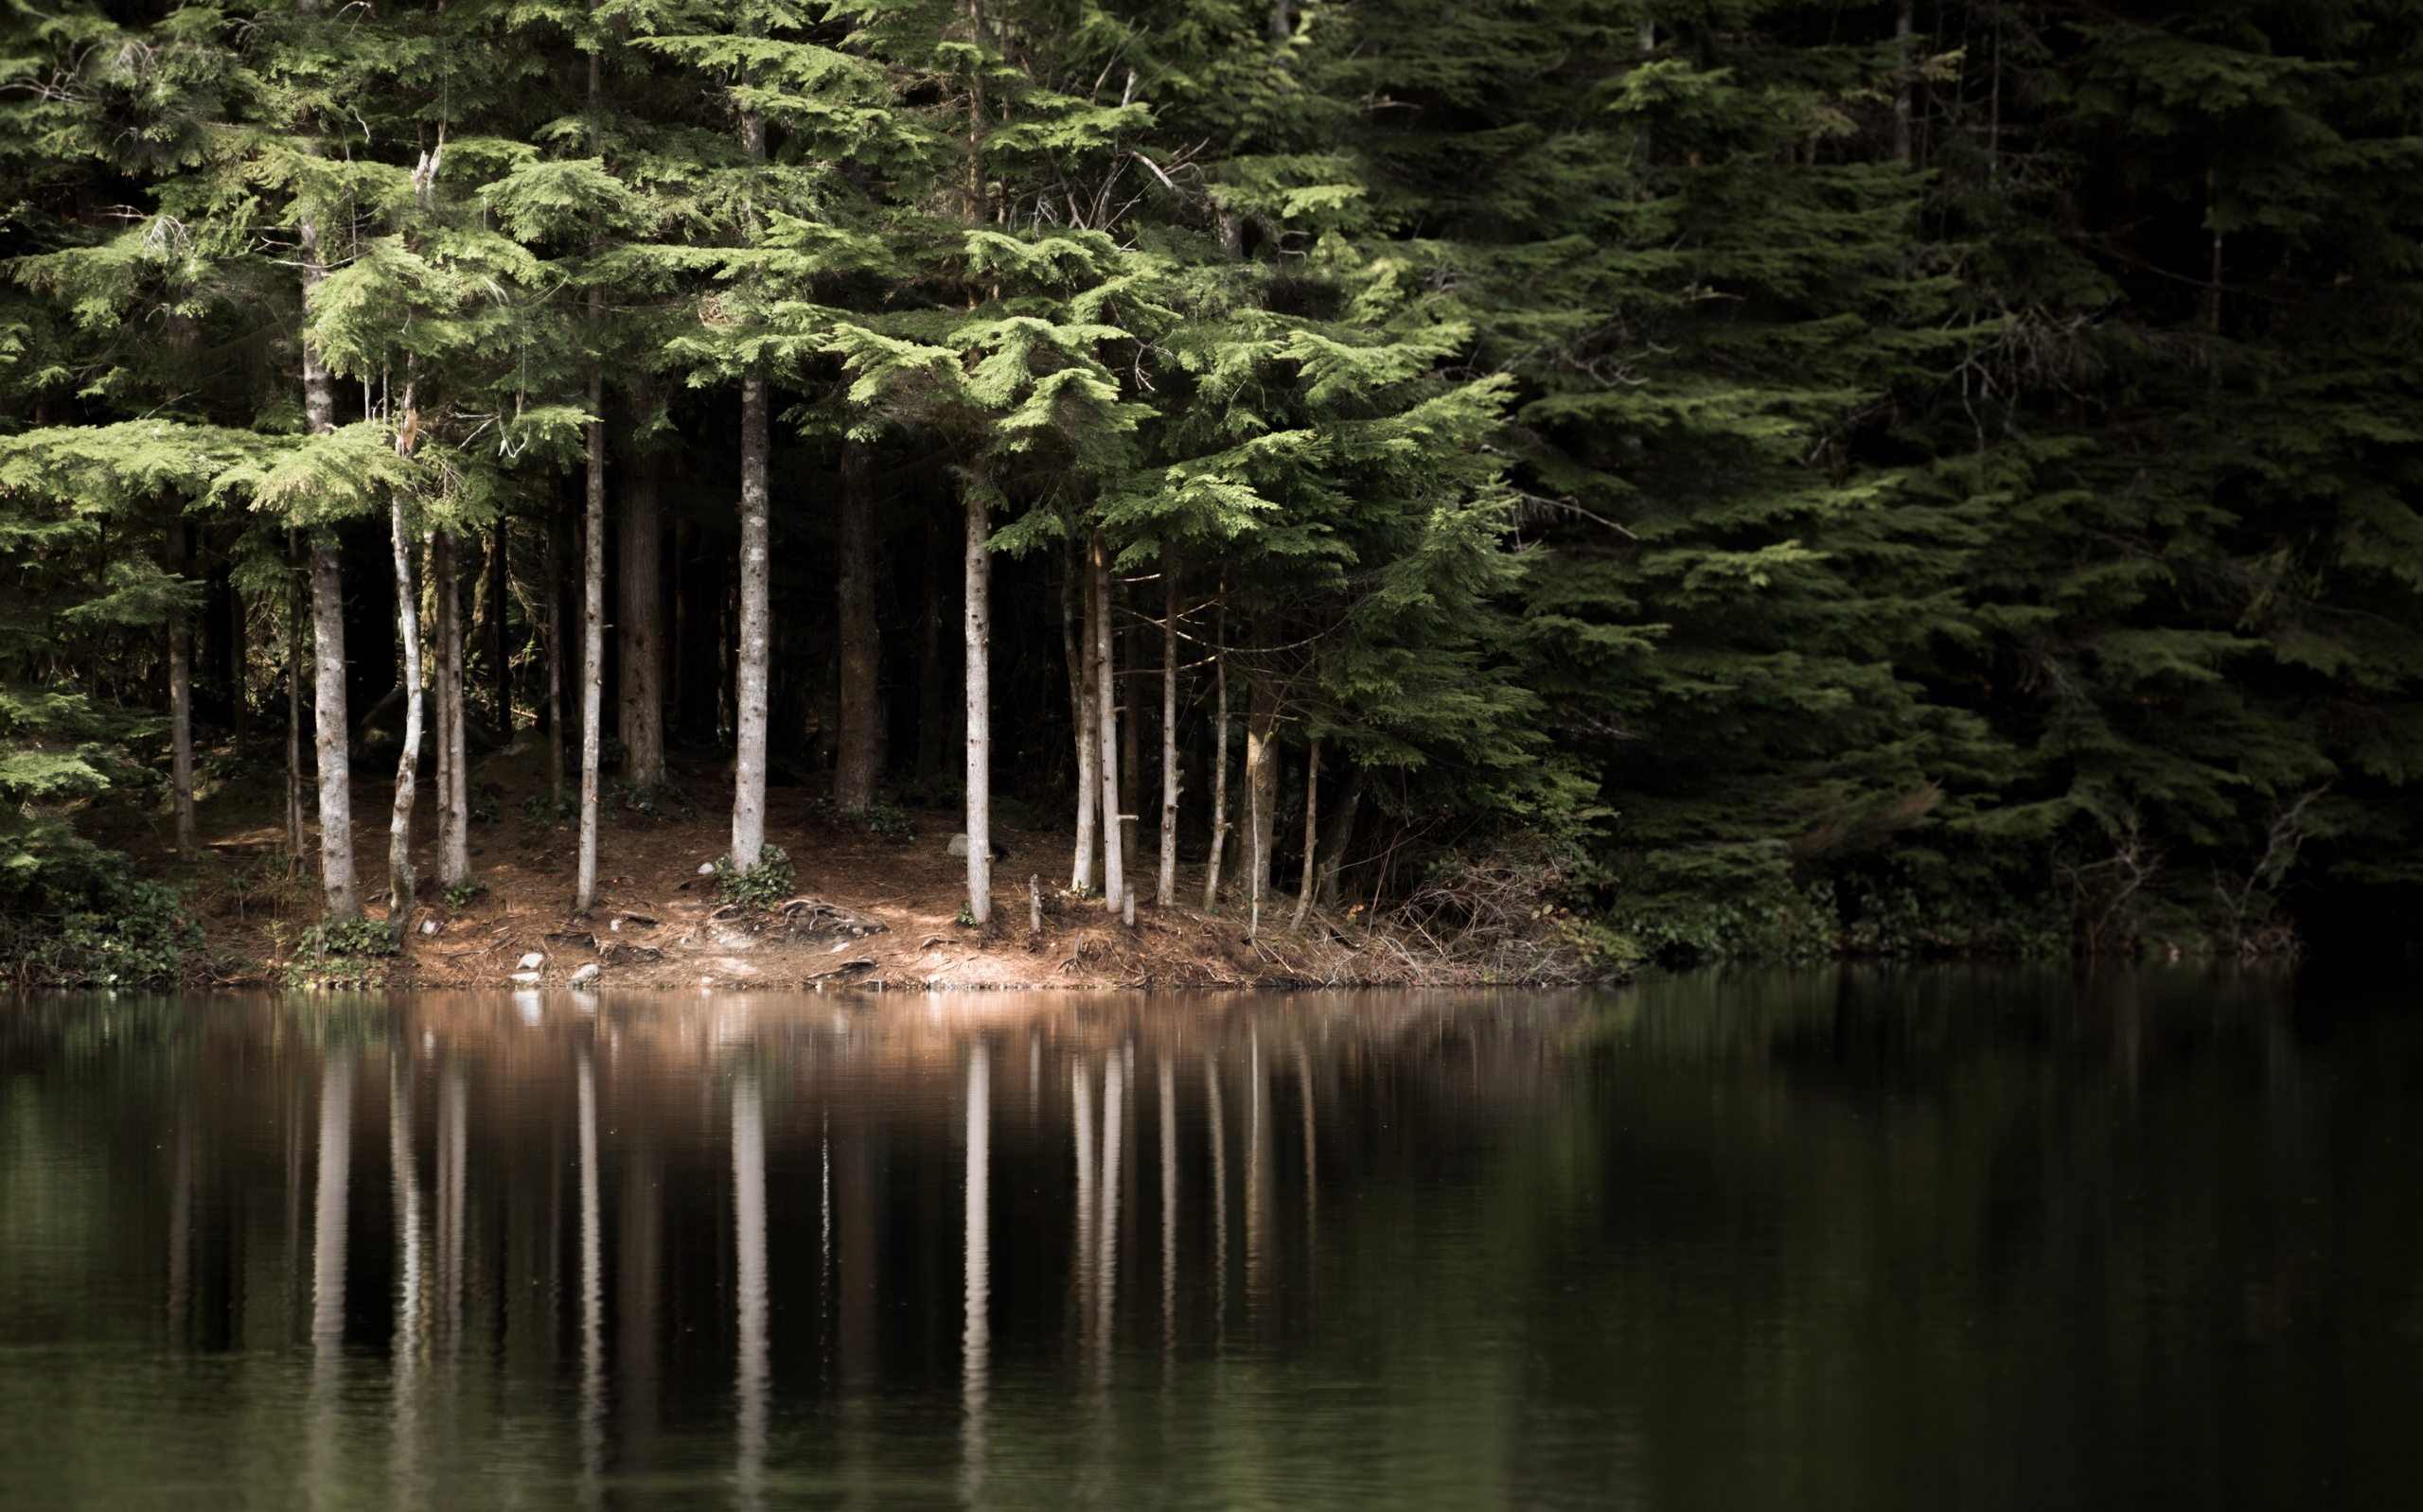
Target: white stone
(429,926)
(615,924)
(585,976)
(706,869)
(530,962)
(526,979)
(959,844)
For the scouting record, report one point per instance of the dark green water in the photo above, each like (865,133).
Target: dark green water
(1824,1240)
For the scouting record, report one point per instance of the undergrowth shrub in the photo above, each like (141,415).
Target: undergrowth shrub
(762,885)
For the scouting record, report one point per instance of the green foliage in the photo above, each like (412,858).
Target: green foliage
(461,893)
(762,885)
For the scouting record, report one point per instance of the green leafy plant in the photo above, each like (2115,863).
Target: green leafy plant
(762,885)
(464,891)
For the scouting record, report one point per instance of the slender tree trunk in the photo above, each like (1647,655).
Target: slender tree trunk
(441,566)
(294,575)
(1219,756)
(499,651)
(1076,643)
(748,765)
(401,894)
(639,616)
(980,710)
(854,777)
(454,817)
(1131,732)
(593,636)
(181,700)
(1312,833)
(1114,872)
(338,895)
(1165,887)
(1262,790)
(554,631)
(1342,835)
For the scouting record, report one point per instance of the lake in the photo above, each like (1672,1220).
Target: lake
(1837,1239)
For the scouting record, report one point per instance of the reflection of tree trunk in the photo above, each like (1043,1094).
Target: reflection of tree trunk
(180,701)
(1081,1095)
(639,615)
(1169,1210)
(1114,1121)
(454,1167)
(748,757)
(750,1385)
(328,1213)
(404,1173)
(980,710)
(593,1292)
(1219,1140)
(1076,643)
(856,1200)
(639,1272)
(975,1335)
(1342,835)
(399,816)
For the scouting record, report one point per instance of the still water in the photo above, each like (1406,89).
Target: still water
(1840,1239)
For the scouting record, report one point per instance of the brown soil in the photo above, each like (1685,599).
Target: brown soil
(868,912)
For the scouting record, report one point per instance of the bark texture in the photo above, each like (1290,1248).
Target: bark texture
(1165,886)
(639,617)
(861,647)
(454,794)
(749,763)
(1114,872)
(401,887)
(979,630)
(1076,643)
(592,645)
(339,896)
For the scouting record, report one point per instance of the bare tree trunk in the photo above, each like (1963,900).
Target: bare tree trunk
(980,710)
(593,636)
(1165,887)
(1076,643)
(554,631)
(1262,791)
(1131,732)
(748,765)
(1312,833)
(854,777)
(400,890)
(1342,835)
(294,573)
(1219,757)
(639,616)
(338,896)
(180,701)
(454,816)
(1114,872)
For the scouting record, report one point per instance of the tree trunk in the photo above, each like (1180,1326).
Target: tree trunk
(1262,791)
(749,763)
(338,896)
(1342,835)
(295,575)
(980,712)
(454,813)
(180,701)
(639,617)
(1219,757)
(1131,732)
(1165,887)
(555,630)
(854,777)
(1312,833)
(1114,872)
(1076,643)
(592,637)
(399,817)
(1902,28)
(500,649)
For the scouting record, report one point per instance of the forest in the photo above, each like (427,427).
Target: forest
(1700,478)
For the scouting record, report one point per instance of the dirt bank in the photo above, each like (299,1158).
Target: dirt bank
(868,911)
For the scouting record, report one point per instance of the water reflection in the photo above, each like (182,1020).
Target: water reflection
(1798,1239)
